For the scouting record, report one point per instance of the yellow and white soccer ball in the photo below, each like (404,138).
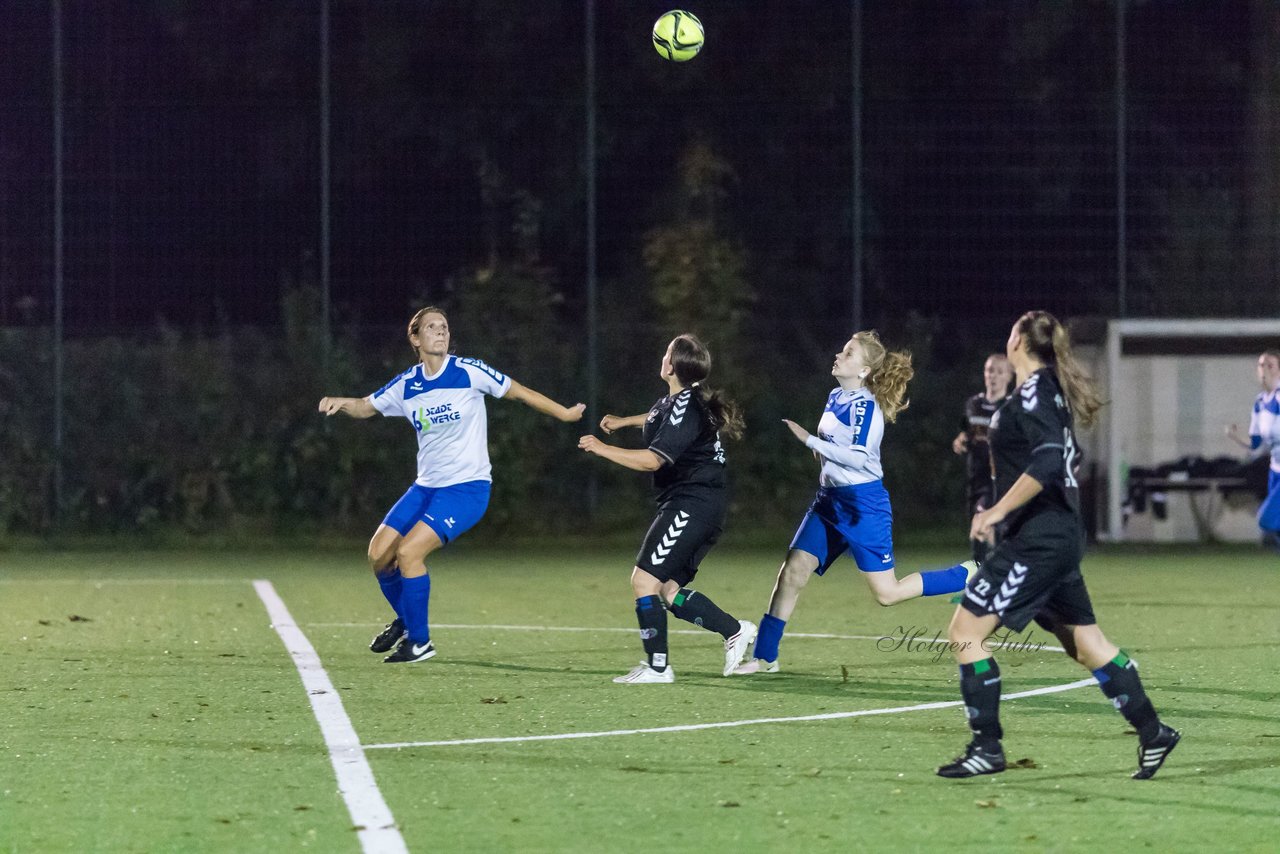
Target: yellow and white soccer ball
(678,35)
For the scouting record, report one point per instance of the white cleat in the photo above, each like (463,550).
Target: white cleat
(646,675)
(756,665)
(736,646)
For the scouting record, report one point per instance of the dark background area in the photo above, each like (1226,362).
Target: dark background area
(192,162)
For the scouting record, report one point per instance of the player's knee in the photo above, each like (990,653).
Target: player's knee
(409,555)
(885,598)
(963,631)
(794,575)
(644,584)
(380,561)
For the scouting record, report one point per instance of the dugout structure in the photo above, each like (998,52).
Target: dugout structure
(1173,386)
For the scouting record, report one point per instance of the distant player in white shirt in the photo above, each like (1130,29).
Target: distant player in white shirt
(851,511)
(443,398)
(1264,438)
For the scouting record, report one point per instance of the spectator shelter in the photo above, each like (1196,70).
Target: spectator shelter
(1171,473)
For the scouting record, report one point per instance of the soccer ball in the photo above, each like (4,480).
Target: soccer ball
(678,36)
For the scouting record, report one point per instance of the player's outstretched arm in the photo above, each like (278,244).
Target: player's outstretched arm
(544,404)
(356,407)
(639,459)
(801,434)
(616,422)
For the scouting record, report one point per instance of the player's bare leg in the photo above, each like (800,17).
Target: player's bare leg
(793,575)
(382,561)
(411,554)
(890,590)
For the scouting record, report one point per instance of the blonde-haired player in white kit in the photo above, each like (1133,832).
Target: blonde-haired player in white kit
(443,397)
(851,511)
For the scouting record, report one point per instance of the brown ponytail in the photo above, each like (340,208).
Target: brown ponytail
(1048,340)
(691,361)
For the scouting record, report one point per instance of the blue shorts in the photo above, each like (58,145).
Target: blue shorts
(447,510)
(857,518)
(1269,512)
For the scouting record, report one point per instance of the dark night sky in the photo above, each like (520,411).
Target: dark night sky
(191,133)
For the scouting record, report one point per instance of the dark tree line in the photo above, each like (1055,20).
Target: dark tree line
(724,207)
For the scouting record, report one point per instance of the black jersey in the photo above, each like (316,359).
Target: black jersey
(977,422)
(681,432)
(1032,433)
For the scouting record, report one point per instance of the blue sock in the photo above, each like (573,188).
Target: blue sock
(768,638)
(391,584)
(939,581)
(413,602)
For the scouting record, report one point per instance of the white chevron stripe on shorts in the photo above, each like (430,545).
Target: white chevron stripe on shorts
(662,549)
(1008,588)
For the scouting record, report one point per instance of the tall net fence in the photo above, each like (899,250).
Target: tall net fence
(992,182)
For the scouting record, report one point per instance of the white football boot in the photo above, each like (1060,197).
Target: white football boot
(756,665)
(736,646)
(646,675)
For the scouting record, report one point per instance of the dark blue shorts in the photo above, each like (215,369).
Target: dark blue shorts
(857,519)
(1269,512)
(447,510)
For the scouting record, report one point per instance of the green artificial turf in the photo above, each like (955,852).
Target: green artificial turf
(150,706)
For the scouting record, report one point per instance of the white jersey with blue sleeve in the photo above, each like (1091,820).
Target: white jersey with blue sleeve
(848,438)
(447,412)
(1264,425)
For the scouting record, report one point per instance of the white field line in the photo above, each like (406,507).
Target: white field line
(369,812)
(101,582)
(830,716)
(918,642)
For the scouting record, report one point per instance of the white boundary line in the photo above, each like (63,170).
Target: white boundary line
(921,641)
(99,582)
(369,812)
(830,716)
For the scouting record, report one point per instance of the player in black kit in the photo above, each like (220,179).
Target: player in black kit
(1034,570)
(682,448)
(972,439)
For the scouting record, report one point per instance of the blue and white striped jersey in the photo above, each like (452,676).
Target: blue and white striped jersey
(448,414)
(848,438)
(1264,425)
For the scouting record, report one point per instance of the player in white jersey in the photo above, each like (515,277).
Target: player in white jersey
(851,511)
(443,397)
(1264,437)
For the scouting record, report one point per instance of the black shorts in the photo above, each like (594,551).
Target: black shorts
(1034,574)
(675,545)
